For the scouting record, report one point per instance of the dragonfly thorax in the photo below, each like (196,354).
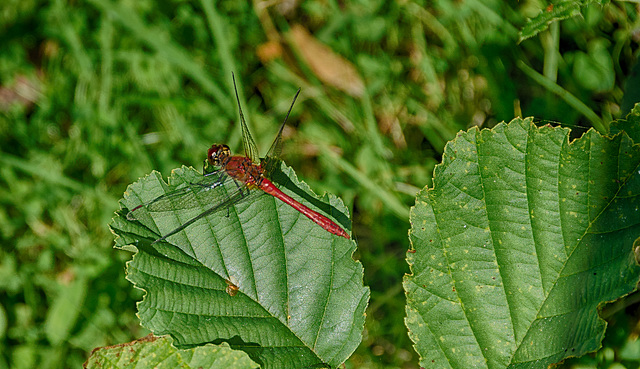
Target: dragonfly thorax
(218,155)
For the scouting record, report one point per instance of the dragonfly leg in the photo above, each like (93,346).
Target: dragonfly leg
(221,177)
(210,184)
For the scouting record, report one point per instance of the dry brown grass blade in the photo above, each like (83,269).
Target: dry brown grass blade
(329,67)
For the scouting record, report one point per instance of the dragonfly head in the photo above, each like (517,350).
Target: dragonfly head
(218,155)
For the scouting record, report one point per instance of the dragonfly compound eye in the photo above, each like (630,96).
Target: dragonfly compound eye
(218,154)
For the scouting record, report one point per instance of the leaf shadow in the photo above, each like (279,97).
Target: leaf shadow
(278,177)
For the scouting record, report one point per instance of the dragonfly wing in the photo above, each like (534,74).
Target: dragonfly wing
(272,160)
(250,147)
(171,213)
(276,147)
(189,196)
(238,196)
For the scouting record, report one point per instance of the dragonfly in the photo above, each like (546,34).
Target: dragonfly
(249,173)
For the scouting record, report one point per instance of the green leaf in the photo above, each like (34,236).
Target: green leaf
(300,300)
(157,352)
(630,124)
(520,241)
(594,70)
(553,13)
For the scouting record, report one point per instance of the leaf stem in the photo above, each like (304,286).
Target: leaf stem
(565,95)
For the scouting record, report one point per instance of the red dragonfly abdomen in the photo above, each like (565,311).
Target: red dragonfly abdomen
(324,222)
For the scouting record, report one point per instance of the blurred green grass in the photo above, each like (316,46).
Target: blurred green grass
(95,94)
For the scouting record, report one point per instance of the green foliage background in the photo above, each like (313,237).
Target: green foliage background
(94,94)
